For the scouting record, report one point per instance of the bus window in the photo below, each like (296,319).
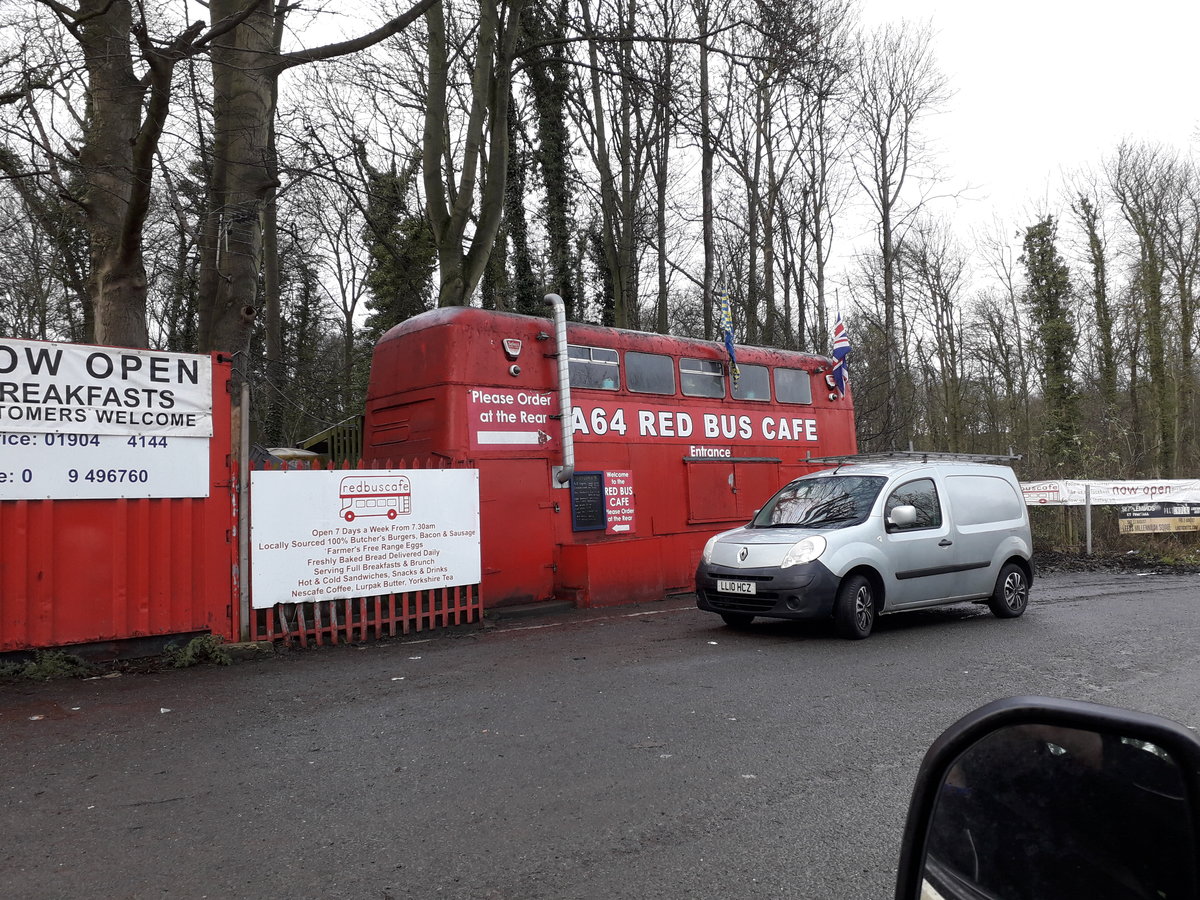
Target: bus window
(592,367)
(753,383)
(793,386)
(649,373)
(701,377)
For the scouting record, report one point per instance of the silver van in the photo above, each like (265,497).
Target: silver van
(868,538)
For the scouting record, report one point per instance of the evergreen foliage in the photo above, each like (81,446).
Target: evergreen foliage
(403,256)
(1047,297)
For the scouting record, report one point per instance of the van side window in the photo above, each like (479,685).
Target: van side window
(649,373)
(592,367)
(753,383)
(976,499)
(922,494)
(701,377)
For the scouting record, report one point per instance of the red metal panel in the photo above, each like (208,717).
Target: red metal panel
(755,482)
(710,491)
(79,571)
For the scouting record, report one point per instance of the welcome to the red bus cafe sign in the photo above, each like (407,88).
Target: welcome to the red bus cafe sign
(502,417)
(75,388)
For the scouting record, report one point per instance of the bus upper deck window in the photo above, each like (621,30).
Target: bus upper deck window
(753,383)
(592,367)
(702,377)
(793,386)
(649,373)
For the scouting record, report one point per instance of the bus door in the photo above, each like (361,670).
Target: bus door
(729,490)
(516,518)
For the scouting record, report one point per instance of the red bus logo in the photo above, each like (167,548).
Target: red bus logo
(375,495)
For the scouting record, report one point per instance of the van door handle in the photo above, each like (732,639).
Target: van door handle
(944,542)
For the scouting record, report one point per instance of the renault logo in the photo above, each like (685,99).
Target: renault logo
(743,553)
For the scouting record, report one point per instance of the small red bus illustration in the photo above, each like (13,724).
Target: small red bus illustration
(374,495)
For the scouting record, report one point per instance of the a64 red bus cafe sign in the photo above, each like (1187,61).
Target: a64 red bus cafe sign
(502,417)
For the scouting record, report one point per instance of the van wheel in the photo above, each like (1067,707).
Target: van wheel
(1011,594)
(854,611)
(737,620)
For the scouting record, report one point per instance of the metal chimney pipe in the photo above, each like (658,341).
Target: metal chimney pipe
(567,471)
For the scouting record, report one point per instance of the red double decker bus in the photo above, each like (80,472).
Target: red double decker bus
(606,457)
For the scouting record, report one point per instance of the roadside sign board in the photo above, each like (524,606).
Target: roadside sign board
(84,389)
(54,466)
(1152,518)
(84,422)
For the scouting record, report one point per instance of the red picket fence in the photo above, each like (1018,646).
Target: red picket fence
(351,620)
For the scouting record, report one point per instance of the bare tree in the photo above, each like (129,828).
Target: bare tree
(897,83)
(1139,178)
(826,181)
(471,191)
(247,64)
(130,74)
(1182,259)
(620,146)
(938,268)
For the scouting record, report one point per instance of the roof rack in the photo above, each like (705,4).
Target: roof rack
(915,456)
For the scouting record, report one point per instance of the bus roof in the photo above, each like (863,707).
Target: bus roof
(598,335)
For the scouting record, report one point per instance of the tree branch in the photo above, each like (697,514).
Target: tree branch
(342,48)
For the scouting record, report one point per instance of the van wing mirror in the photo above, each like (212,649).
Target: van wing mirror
(1039,797)
(903,516)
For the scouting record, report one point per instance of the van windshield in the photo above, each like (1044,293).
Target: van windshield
(821,501)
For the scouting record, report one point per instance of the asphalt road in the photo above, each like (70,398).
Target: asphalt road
(641,752)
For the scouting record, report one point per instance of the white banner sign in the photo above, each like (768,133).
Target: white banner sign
(1110,493)
(101,466)
(323,535)
(82,389)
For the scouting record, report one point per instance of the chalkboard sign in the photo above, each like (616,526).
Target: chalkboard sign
(587,501)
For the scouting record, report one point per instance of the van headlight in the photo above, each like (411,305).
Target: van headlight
(805,551)
(708,549)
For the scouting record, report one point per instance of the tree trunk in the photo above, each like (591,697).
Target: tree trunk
(116,163)
(244,74)
(706,172)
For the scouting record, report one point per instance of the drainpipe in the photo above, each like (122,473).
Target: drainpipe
(563,474)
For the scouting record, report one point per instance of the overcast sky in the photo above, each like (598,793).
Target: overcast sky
(1044,87)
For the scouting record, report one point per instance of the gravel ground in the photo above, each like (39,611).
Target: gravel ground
(1052,562)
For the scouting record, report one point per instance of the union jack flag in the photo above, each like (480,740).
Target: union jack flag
(841,350)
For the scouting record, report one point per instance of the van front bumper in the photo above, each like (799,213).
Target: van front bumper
(800,592)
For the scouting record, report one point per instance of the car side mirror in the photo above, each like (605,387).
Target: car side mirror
(1041,798)
(903,516)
